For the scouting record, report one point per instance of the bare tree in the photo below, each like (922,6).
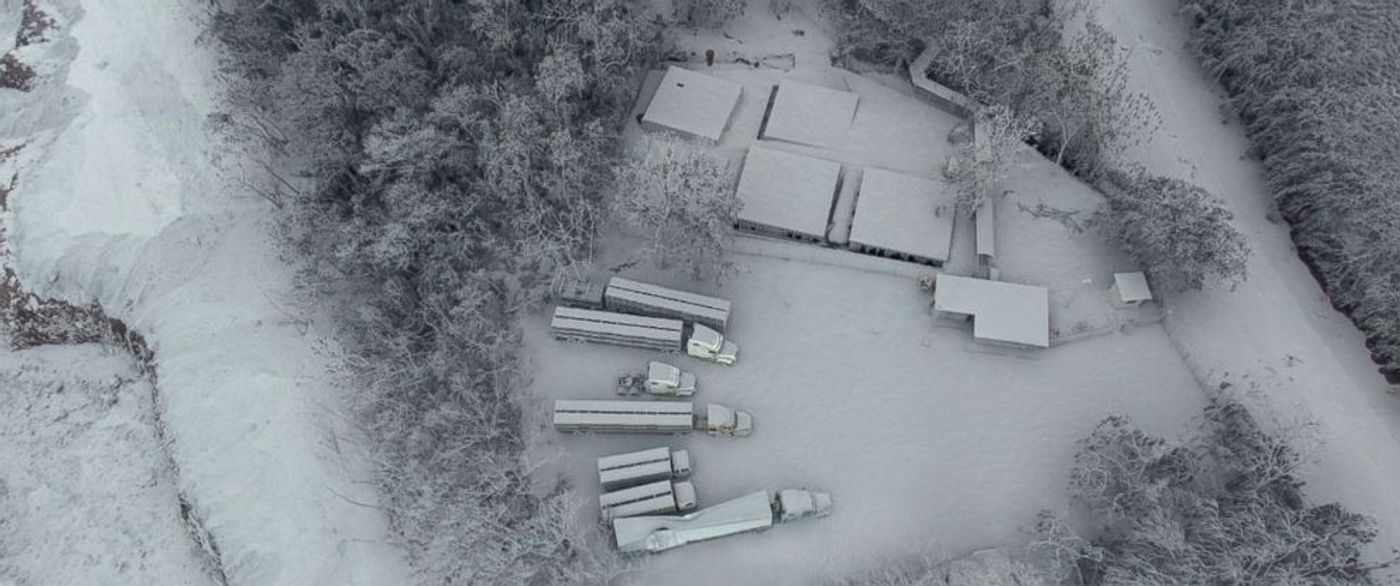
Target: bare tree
(978,166)
(683,202)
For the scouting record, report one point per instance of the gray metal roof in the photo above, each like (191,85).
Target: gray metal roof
(787,190)
(693,103)
(904,213)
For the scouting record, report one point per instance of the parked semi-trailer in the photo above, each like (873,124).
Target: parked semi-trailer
(649,417)
(664,334)
(630,296)
(654,498)
(659,379)
(633,468)
(752,512)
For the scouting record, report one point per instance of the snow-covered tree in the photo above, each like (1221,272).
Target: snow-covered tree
(682,200)
(1223,507)
(1181,233)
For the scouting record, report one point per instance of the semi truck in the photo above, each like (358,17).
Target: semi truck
(660,379)
(653,498)
(633,468)
(655,333)
(755,511)
(649,417)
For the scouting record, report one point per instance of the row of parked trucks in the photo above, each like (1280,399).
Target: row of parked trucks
(646,495)
(629,313)
(652,508)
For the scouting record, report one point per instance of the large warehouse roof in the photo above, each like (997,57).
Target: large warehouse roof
(904,213)
(693,103)
(1001,311)
(788,191)
(809,114)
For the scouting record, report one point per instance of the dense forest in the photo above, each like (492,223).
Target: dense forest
(436,163)
(1315,84)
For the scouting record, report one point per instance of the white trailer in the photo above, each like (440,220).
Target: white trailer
(655,333)
(633,468)
(648,417)
(654,498)
(588,325)
(752,512)
(647,299)
(659,379)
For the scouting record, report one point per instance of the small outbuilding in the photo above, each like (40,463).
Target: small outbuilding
(692,103)
(1130,289)
(809,114)
(1002,313)
(904,217)
(786,194)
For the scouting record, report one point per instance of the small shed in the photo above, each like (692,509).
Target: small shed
(1130,289)
(786,194)
(904,217)
(809,114)
(1003,313)
(692,103)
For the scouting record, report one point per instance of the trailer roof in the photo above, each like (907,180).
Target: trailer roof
(617,318)
(904,213)
(787,190)
(634,458)
(676,294)
(667,303)
(693,103)
(647,407)
(746,513)
(810,114)
(1001,311)
(632,493)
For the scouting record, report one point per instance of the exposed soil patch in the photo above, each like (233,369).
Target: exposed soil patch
(14,74)
(33,25)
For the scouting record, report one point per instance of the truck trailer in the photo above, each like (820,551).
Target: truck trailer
(649,417)
(752,512)
(655,333)
(654,498)
(630,296)
(633,468)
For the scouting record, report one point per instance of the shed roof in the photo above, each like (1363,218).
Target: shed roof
(1132,287)
(1001,311)
(904,213)
(810,114)
(985,227)
(787,190)
(693,103)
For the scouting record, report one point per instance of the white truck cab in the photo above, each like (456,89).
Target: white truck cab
(664,379)
(721,420)
(706,343)
(793,504)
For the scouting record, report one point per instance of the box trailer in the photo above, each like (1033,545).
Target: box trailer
(752,512)
(648,417)
(630,296)
(655,333)
(654,498)
(633,468)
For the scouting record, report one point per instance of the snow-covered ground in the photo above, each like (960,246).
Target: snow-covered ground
(1276,330)
(926,441)
(119,201)
(86,495)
